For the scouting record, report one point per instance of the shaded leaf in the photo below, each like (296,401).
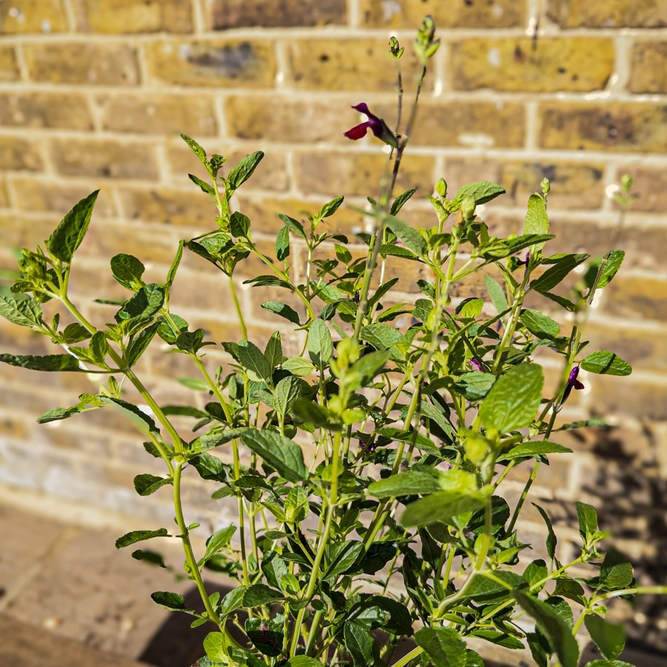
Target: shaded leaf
(278,451)
(140,536)
(606,363)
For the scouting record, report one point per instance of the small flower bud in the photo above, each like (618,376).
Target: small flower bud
(468,208)
(441,188)
(546,186)
(627,182)
(395,48)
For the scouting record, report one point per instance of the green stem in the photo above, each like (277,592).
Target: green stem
(237,305)
(407,659)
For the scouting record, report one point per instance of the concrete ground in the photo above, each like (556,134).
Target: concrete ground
(69,598)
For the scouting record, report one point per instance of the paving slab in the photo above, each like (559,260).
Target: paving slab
(25,645)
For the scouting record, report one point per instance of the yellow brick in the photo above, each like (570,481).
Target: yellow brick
(271,174)
(20,232)
(285,119)
(132,16)
(24,16)
(36,195)
(649,68)
(453,14)
(9,69)
(650,186)
(548,65)
(45,110)
(103,158)
(359,174)
(609,126)
(573,185)
(219,63)
(608,14)
(347,64)
(80,63)
(174,207)
(19,154)
(4,195)
(636,297)
(468,124)
(158,114)
(225,14)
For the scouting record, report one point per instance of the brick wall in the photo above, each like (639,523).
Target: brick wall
(93,93)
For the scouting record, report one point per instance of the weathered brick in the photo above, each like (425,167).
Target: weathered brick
(4,193)
(225,14)
(158,114)
(16,153)
(346,64)
(643,350)
(456,14)
(549,64)
(45,110)
(609,126)
(208,292)
(627,397)
(636,297)
(218,63)
(270,174)
(485,124)
(359,174)
(58,197)
(573,184)
(22,232)
(103,158)
(173,207)
(25,16)
(650,186)
(608,14)
(132,16)
(9,69)
(77,63)
(649,68)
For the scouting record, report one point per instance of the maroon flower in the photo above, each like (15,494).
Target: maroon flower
(572,383)
(476,364)
(376,125)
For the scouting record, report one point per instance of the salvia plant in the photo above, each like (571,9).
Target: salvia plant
(392,529)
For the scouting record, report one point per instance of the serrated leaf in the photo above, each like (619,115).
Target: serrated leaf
(443,645)
(360,644)
(278,451)
(330,207)
(531,449)
(610,268)
(286,391)
(282,244)
(320,343)
(147,484)
(407,483)
(196,148)
(56,414)
(539,325)
(514,399)
(219,540)
(244,169)
(25,312)
(127,271)
(254,362)
(441,506)
(481,192)
(615,571)
(381,336)
(274,350)
(140,343)
(50,363)
(259,595)
(410,236)
(132,411)
(202,185)
(553,276)
(587,518)
(610,639)
(608,663)
(69,234)
(139,536)
(606,363)
(344,555)
(401,200)
(283,310)
(470,308)
(555,628)
(303,661)
(208,467)
(145,303)
(298,366)
(474,386)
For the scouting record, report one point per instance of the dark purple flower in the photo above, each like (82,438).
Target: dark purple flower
(476,364)
(376,125)
(572,383)
(524,262)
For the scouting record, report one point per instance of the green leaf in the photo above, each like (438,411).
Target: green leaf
(195,384)
(202,185)
(259,595)
(473,659)
(381,336)
(283,310)
(132,411)
(172,601)
(401,200)
(360,644)
(278,451)
(282,244)
(244,169)
(25,312)
(474,386)
(254,362)
(310,412)
(610,268)
(588,520)
(298,366)
(405,484)
(481,192)
(537,220)
(606,363)
(553,276)
(208,467)
(555,628)
(498,298)
(50,363)
(303,661)
(141,342)
(615,571)
(551,536)
(150,557)
(75,333)
(443,645)
(344,555)
(69,234)
(267,636)
(320,344)
(99,348)
(441,506)
(219,540)
(569,588)
(274,350)
(140,536)
(470,308)
(127,271)
(196,148)
(610,639)
(608,663)
(514,399)
(294,225)
(410,236)
(532,449)
(539,325)
(232,601)
(286,391)
(485,589)
(535,572)
(330,207)
(147,484)
(145,303)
